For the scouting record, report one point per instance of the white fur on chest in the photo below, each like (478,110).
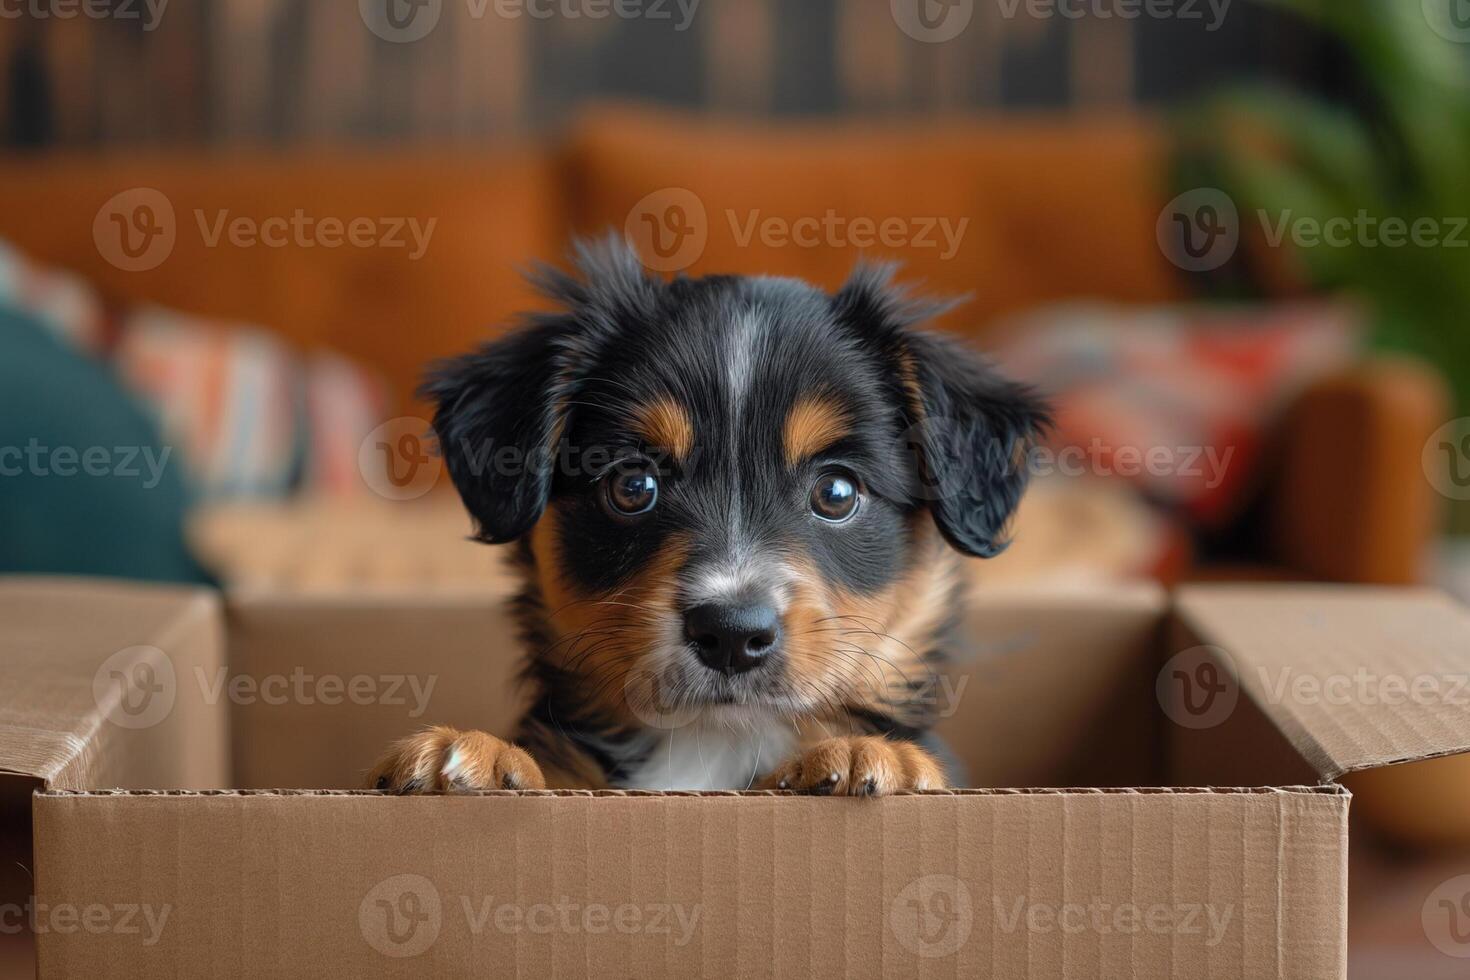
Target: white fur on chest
(711,754)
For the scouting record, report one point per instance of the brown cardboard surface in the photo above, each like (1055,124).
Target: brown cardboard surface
(332,546)
(1061,689)
(61,717)
(1084,656)
(71,647)
(1355,678)
(370,670)
(1054,687)
(1197,884)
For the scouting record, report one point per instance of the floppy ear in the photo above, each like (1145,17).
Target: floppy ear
(506,394)
(512,395)
(969,429)
(973,432)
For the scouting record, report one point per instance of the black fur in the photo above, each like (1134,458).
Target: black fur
(932,428)
(502,397)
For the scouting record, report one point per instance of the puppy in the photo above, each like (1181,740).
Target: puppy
(739,507)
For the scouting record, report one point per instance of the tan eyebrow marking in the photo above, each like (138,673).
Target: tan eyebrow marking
(665,423)
(813,424)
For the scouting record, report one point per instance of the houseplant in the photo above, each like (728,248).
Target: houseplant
(1386,167)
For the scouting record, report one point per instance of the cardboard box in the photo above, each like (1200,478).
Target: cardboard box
(150,723)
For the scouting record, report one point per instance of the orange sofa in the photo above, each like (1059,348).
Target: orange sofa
(1055,208)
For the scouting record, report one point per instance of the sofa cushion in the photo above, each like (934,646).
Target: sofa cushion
(1016,211)
(492,212)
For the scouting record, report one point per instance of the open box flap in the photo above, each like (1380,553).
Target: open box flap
(1354,677)
(99,686)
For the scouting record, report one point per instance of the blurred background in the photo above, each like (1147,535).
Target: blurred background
(1229,237)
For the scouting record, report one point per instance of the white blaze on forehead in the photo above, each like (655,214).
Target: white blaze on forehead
(746,334)
(749,578)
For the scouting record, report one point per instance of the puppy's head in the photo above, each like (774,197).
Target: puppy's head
(735,491)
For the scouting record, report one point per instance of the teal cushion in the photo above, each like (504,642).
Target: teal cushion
(87,484)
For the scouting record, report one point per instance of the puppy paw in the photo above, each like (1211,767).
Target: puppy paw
(441,759)
(859,765)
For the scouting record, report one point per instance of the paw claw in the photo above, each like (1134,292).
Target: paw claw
(860,765)
(445,760)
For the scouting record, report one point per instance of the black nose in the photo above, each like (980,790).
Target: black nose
(732,638)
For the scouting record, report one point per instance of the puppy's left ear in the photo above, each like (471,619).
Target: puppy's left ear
(973,431)
(970,430)
(505,395)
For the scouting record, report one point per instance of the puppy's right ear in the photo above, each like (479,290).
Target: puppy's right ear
(506,394)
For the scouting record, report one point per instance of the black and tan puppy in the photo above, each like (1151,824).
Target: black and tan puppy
(740,506)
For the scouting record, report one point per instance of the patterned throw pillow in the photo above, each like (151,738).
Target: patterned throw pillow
(64,303)
(250,417)
(1177,400)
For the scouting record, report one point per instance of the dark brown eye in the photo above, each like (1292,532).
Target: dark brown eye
(835,496)
(631,489)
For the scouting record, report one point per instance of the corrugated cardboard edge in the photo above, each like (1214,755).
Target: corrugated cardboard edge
(77,751)
(793,887)
(81,769)
(1325,789)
